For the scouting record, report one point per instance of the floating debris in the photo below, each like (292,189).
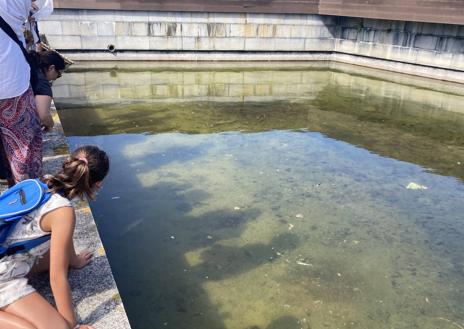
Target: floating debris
(236,208)
(115,198)
(339,274)
(290,226)
(299,262)
(299,216)
(355,242)
(427,300)
(209,237)
(172,237)
(415,186)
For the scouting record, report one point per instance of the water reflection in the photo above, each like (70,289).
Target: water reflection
(375,114)
(282,211)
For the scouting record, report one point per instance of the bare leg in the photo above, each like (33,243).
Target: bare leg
(34,309)
(10,321)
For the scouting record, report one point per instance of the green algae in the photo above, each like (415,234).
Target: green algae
(284,206)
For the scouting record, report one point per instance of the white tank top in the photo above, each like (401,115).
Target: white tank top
(28,227)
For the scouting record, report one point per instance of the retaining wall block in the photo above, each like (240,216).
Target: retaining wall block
(61,42)
(454,45)
(457,62)
(216,29)
(173,29)
(70,27)
(188,43)
(157,29)
(194,30)
(88,28)
(319,45)
(461,31)
(289,44)
(266,30)
(425,42)
(122,29)
(50,27)
(228,43)
(259,44)
(140,28)
(383,37)
(132,43)
(203,43)
(158,43)
(282,31)
(349,33)
(106,28)
(236,30)
(251,30)
(100,43)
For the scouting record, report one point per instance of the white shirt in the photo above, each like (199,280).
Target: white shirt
(14,69)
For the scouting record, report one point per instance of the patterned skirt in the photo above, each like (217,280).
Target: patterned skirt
(21,136)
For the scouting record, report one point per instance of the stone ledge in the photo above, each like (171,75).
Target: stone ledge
(94,291)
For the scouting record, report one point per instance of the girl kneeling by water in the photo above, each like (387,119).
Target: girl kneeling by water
(21,307)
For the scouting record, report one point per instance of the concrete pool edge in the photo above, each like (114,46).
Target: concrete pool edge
(95,294)
(331,57)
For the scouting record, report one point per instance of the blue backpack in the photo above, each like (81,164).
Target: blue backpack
(17,201)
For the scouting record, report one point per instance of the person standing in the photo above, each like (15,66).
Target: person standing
(20,126)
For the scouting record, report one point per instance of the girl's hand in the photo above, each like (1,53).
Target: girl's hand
(82,260)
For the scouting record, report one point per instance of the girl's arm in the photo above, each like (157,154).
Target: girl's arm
(61,223)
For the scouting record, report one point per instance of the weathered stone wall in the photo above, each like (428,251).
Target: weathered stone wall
(426,49)
(95,30)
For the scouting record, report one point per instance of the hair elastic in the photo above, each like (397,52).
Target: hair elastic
(83,159)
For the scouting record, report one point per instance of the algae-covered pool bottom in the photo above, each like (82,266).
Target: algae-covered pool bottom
(342,210)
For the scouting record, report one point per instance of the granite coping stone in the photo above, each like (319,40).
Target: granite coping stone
(94,291)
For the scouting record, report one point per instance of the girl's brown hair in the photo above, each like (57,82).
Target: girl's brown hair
(86,166)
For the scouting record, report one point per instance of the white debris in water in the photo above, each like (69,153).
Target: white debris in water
(172,237)
(415,186)
(115,197)
(290,227)
(339,274)
(427,300)
(299,216)
(209,237)
(299,262)
(355,241)
(236,208)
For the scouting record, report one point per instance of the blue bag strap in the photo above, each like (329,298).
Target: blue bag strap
(24,246)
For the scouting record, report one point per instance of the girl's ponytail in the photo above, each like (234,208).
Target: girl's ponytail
(86,166)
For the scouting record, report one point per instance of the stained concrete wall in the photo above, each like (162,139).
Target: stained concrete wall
(427,44)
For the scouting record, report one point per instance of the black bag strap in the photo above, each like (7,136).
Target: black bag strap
(9,31)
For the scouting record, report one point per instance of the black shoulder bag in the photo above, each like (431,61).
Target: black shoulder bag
(33,68)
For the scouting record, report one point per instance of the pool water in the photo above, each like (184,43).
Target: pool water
(246,197)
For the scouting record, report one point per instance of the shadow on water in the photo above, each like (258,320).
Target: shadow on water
(159,286)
